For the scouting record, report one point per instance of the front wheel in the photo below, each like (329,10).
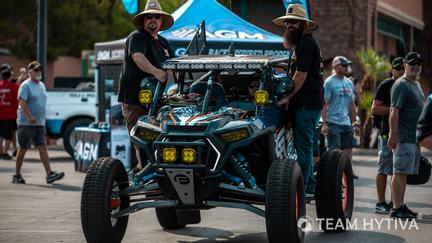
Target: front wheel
(334,191)
(285,202)
(100,198)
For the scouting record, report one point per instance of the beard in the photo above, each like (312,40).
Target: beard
(152,26)
(292,36)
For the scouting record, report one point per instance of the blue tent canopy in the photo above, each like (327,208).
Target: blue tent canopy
(222,28)
(221,24)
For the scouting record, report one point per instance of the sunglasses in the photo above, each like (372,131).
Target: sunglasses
(415,63)
(344,66)
(253,86)
(291,21)
(152,16)
(399,68)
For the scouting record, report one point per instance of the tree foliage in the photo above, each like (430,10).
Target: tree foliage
(375,66)
(72,25)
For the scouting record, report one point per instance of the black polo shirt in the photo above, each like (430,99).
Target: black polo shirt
(384,95)
(155,50)
(308,59)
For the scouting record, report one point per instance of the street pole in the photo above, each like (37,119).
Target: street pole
(42,36)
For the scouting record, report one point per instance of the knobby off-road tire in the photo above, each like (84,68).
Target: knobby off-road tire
(334,191)
(100,197)
(285,202)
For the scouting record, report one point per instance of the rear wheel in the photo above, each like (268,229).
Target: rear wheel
(170,218)
(100,198)
(334,191)
(285,202)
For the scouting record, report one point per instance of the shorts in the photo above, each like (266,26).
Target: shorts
(406,159)
(339,136)
(28,135)
(385,157)
(132,113)
(7,128)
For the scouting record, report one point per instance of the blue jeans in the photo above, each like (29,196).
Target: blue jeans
(304,130)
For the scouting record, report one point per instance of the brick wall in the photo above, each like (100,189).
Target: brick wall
(345,27)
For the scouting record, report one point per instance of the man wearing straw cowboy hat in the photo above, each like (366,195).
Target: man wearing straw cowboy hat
(306,100)
(145,51)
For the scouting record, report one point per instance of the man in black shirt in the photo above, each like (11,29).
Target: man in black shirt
(381,109)
(306,100)
(424,126)
(145,51)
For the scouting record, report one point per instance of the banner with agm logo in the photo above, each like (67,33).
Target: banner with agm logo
(90,144)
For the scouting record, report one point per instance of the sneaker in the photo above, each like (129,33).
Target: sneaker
(383,208)
(54,176)
(409,211)
(355,176)
(400,213)
(18,179)
(14,153)
(5,156)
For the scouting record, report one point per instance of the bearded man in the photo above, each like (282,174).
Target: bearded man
(307,98)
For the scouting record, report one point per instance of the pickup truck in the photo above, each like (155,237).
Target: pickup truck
(69,107)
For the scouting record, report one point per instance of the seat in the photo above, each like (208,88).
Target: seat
(217,95)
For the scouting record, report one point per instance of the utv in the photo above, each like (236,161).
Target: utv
(215,144)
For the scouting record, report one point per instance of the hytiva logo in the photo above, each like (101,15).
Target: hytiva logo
(86,151)
(305,223)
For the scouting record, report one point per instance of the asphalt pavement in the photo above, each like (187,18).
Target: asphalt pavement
(38,212)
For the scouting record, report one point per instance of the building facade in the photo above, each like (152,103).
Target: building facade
(390,27)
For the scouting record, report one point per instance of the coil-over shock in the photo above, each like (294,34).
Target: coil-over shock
(239,164)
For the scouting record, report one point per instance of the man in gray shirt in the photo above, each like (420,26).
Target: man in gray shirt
(31,123)
(407,101)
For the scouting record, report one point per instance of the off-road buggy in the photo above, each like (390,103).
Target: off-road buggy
(214,144)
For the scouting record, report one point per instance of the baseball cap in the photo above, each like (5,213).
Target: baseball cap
(35,65)
(397,62)
(341,60)
(413,56)
(5,68)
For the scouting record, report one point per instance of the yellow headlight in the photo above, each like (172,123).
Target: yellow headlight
(189,155)
(147,134)
(261,97)
(169,155)
(235,136)
(145,96)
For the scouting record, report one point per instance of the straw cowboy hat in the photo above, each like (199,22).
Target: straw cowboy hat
(296,11)
(153,7)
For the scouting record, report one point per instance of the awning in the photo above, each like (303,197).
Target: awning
(222,28)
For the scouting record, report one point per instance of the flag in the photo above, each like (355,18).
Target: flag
(131,6)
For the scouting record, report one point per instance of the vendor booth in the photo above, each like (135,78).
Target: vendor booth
(222,28)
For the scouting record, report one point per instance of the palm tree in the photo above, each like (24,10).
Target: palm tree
(376,68)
